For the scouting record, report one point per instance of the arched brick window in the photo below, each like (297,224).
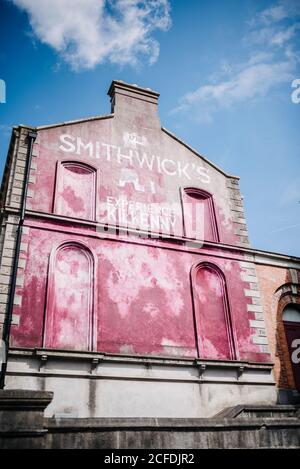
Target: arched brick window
(291,321)
(212,313)
(199,217)
(75,190)
(69,313)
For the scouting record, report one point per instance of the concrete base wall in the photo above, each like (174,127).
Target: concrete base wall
(203,434)
(94,385)
(23,425)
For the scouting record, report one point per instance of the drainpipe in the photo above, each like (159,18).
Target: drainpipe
(9,310)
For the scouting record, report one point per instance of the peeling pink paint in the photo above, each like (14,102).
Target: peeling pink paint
(142,297)
(69,306)
(90,290)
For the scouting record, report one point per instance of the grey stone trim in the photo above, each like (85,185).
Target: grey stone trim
(238,210)
(257,324)
(11,164)
(20,280)
(238,219)
(196,153)
(22,149)
(16,198)
(3,307)
(264,349)
(259,316)
(252,293)
(20,169)
(6,270)
(232,183)
(134,359)
(244,241)
(18,300)
(17,168)
(17,191)
(18,184)
(237,381)
(234,193)
(255,308)
(6,261)
(76,121)
(24,247)
(108,366)
(241,230)
(5,279)
(22,263)
(21,164)
(10,244)
(248,275)
(35,153)
(10,232)
(261,332)
(256,339)
(235,203)
(249,278)
(7,252)
(294,275)
(4,289)
(15,320)
(19,177)
(243,244)
(22,156)
(3,298)
(256,301)
(237,213)
(7,256)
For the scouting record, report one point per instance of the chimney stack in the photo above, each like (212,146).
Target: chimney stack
(134,104)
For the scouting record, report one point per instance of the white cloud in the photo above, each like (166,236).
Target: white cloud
(88,32)
(281,37)
(274,63)
(274,14)
(251,82)
(272,36)
(284,9)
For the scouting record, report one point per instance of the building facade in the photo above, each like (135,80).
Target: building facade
(136,292)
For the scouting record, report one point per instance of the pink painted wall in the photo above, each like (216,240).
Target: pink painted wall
(142,303)
(84,289)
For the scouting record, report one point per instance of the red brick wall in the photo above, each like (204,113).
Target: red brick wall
(276,294)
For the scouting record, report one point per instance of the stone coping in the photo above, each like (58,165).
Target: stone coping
(100,357)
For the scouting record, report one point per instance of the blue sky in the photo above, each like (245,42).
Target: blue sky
(224,69)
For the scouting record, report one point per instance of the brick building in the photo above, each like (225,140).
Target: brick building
(128,275)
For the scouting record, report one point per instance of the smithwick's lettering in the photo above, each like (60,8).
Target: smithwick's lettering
(135,157)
